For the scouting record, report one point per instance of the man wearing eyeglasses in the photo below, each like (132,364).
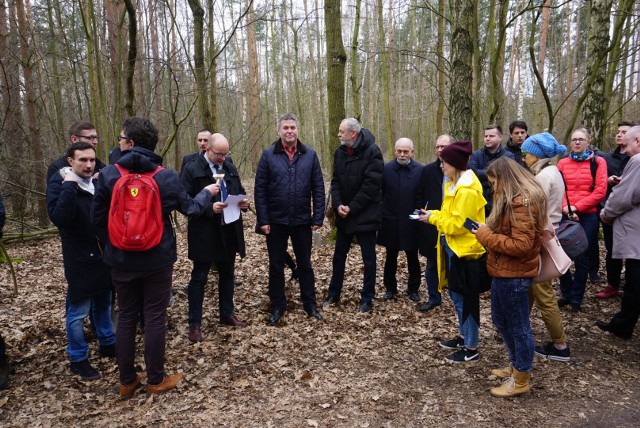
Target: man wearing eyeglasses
(429,194)
(202,141)
(78,132)
(210,239)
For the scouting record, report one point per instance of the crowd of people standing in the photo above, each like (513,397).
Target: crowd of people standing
(478,217)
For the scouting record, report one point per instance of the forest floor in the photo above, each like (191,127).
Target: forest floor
(382,369)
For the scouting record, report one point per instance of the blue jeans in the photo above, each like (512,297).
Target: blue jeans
(100,307)
(367,242)
(510,315)
(431,276)
(469,329)
(572,287)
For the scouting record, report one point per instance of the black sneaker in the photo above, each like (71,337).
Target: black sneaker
(551,352)
(455,343)
(84,370)
(463,355)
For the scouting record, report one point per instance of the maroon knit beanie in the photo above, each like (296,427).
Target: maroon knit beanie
(457,154)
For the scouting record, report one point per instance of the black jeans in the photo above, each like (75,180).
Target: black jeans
(195,289)
(625,321)
(367,242)
(277,242)
(151,291)
(391,268)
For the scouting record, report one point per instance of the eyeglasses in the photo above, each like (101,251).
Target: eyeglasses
(221,155)
(122,137)
(202,140)
(88,137)
(440,147)
(578,140)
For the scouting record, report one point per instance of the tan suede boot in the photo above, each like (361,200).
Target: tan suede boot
(502,373)
(513,386)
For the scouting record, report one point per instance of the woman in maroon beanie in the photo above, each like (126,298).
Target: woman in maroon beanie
(460,260)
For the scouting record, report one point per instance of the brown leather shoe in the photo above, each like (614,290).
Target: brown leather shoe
(127,391)
(195,334)
(168,383)
(232,321)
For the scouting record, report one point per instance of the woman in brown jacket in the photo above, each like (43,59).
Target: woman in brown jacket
(512,237)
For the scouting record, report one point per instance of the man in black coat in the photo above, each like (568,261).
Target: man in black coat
(69,197)
(356,198)
(78,132)
(288,179)
(202,141)
(211,240)
(399,232)
(429,196)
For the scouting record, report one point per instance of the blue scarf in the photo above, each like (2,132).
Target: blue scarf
(579,157)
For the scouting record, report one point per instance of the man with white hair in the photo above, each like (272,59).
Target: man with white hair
(356,198)
(399,232)
(623,210)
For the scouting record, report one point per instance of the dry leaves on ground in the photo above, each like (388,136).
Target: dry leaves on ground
(352,370)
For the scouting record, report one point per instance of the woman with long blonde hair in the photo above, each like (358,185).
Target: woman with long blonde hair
(512,238)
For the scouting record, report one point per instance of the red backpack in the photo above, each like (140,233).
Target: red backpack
(135,216)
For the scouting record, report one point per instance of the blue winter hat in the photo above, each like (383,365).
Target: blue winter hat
(543,145)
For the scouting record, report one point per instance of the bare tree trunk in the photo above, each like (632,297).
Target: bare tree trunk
(11,102)
(131,57)
(384,60)
(442,78)
(615,58)
(496,90)
(252,85)
(213,69)
(336,62)
(30,85)
(198,63)
(462,47)
(593,112)
(355,63)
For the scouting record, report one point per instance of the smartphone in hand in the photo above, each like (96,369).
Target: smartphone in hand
(471,225)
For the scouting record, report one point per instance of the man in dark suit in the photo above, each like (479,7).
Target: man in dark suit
(400,179)
(429,195)
(211,240)
(202,141)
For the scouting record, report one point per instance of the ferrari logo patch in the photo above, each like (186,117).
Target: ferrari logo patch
(134,192)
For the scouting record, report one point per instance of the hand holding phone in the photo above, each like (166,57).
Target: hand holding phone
(471,225)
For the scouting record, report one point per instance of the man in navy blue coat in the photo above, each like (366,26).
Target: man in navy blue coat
(400,180)
(288,181)
(69,196)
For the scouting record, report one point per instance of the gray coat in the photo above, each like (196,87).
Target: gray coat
(623,207)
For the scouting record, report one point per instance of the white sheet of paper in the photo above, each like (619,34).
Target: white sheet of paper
(232,212)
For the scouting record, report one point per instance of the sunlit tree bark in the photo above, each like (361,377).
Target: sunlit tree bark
(336,62)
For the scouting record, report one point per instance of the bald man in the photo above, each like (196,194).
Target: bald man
(210,239)
(400,180)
